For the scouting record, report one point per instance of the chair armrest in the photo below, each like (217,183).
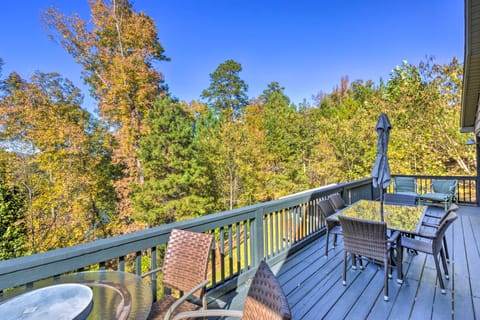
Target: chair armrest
(209,313)
(184,297)
(432,216)
(149,273)
(394,236)
(425,235)
(430,225)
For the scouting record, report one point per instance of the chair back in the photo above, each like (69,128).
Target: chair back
(399,199)
(453,208)
(326,208)
(336,201)
(265,298)
(186,260)
(451,216)
(364,237)
(404,184)
(444,186)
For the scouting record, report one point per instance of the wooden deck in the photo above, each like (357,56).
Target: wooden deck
(314,287)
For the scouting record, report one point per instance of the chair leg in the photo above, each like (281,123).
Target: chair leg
(385,287)
(444,263)
(344,274)
(399,261)
(446,249)
(439,274)
(326,244)
(334,240)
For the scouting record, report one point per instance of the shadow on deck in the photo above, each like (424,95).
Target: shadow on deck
(314,287)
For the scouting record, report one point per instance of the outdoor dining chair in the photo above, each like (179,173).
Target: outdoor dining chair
(185,270)
(368,239)
(435,224)
(265,300)
(333,227)
(432,246)
(337,201)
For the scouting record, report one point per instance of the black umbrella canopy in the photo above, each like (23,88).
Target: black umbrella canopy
(381,169)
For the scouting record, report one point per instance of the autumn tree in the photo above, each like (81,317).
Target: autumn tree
(61,161)
(227,93)
(118,51)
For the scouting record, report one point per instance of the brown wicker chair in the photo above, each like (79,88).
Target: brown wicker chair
(434,246)
(184,269)
(436,224)
(368,239)
(337,201)
(265,300)
(333,227)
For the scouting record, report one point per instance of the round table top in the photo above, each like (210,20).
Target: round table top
(116,294)
(62,301)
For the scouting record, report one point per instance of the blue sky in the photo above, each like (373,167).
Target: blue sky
(306,46)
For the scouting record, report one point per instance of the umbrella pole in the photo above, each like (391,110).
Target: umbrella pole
(381,203)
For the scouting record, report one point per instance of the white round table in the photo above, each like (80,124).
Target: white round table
(62,301)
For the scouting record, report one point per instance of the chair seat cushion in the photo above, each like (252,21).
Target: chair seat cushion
(435,196)
(408,193)
(159,308)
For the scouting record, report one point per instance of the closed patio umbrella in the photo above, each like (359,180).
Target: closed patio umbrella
(381,170)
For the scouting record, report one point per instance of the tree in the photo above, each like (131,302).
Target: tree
(174,187)
(227,93)
(12,220)
(117,55)
(61,161)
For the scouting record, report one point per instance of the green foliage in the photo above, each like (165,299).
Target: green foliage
(12,219)
(174,183)
(227,93)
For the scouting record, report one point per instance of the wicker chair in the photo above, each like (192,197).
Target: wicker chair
(333,227)
(433,247)
(337,201)
(265,300)
(368,239)
(399,199)
(436,224)
(184,269)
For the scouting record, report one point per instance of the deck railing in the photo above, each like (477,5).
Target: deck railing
(243,237)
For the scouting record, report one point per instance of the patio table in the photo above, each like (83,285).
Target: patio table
(116,294)
(63,301)
(403,218)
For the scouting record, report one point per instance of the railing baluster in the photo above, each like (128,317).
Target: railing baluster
(222,254)
(238,249)
(153,266)
(138,263)
(121,263)
(230,251)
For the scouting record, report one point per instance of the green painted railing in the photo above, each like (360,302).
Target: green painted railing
(243,237)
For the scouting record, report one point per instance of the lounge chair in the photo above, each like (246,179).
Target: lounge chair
(406,186)
(442,192)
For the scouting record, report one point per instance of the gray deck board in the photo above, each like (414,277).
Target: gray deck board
(313,284)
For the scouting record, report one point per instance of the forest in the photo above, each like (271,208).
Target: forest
(148,158)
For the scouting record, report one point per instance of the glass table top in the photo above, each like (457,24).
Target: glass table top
(398,217)
(116,294)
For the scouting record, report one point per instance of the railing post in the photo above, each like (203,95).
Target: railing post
(477,177)
(257,244)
